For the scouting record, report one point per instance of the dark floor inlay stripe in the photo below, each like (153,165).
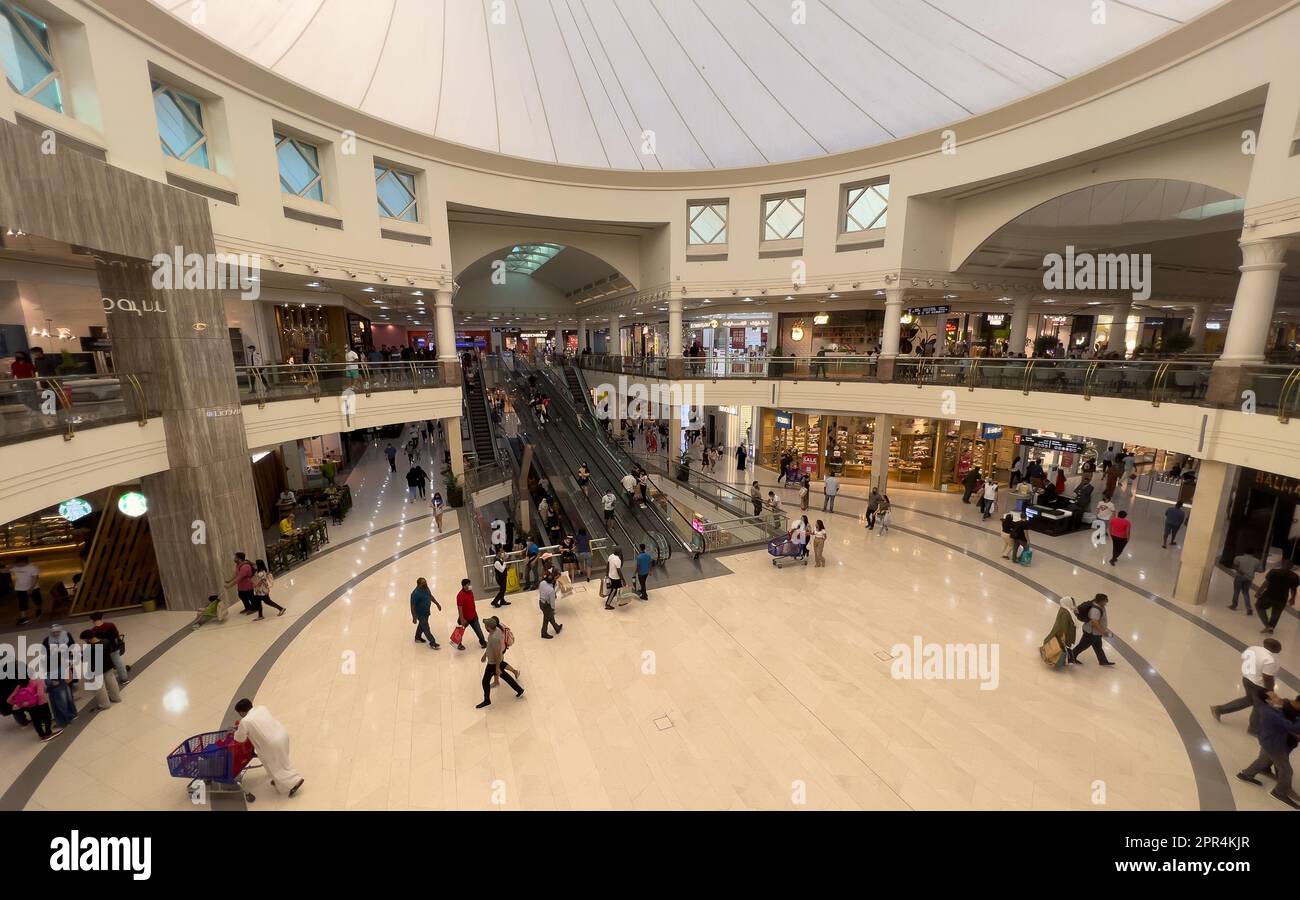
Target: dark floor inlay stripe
(257,674)
(1173,607)
(1212,787)
(25,785)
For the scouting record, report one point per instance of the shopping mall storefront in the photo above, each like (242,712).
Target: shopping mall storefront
(923,453)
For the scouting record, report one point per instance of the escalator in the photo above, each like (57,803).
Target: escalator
(738,525)
(576,390)
(480,419)
(566,446)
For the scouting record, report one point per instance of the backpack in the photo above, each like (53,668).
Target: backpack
(508,640)
(1084,610)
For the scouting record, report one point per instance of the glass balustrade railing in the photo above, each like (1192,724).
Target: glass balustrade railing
(1184,379)
(261,384)
(39,407)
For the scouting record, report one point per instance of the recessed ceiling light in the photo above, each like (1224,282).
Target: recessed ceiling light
(417,293)
(749,299)
(368,290)
(313,284)
(833,296)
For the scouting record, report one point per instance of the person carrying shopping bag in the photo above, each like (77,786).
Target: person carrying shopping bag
(819,544)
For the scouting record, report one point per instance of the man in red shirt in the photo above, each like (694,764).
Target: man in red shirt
(107,633)
(243,582)
(468,615)
(1120,528)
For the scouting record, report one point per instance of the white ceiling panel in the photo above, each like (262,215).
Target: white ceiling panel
(719,82)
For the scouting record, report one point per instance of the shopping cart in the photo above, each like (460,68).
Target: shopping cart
(213,762)
(785,549)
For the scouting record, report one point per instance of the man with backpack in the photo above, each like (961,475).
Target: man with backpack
(1093,616)
(499,641)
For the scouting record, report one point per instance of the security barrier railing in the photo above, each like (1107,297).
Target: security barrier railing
(65,404)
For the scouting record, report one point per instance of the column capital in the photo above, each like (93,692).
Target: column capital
(442,298)
(1263,253)
(895,296)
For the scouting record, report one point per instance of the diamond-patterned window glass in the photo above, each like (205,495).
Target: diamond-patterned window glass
(395,191)
(707,222)
(866,207)
(299,168)
(783,218)
(28,57)
(180,125)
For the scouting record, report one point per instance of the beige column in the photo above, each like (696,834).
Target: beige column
(1119,315)
(444,325)
(1252,308)
(582,335)
(889,335)
(880,452)
(202,509)
(1019,326)
(451,427)
(1202,537)
(612,342)
(1197,330)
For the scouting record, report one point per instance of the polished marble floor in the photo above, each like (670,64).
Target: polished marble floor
(755,689)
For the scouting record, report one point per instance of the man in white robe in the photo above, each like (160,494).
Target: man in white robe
(270,740)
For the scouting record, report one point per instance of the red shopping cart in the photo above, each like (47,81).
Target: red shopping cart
(213,761)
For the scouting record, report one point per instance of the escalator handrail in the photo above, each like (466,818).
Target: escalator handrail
(610,454)
(541,432)
(603,447)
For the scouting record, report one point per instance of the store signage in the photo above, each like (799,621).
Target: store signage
(784,419)
(821,318)
(133,504)
(91,344)
(1050,443)
(727,410)
(1276,484)
(796,333)
(808,463)
(1213,326)
(221,412)
(928,310)
(1057,320)
(996,319)
(990,432)
(74,509)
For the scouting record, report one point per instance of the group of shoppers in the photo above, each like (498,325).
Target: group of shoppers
(1274,721)
(41,691)
(253,581)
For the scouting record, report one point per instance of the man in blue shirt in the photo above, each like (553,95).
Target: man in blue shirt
(1175,516)
(643,561)
(530,565)
(1275,730)
(421,598)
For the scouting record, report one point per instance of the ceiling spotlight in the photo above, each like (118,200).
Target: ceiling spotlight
(314,269)
(855,284)
(382,276)
(349,273)
(279,263)
(411,282)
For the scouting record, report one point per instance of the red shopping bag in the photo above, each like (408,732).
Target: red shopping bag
(457,634)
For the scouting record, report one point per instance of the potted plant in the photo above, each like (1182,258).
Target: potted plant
(453,491)
(1177,343)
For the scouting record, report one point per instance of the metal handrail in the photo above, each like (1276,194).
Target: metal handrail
(1088,377)
(138,389)
(1029,375)
(1290,388)
(1158,383)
